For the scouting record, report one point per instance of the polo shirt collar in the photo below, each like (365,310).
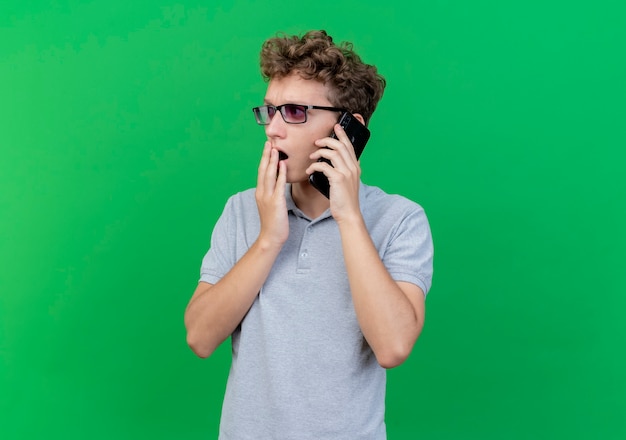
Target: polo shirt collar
(291,205)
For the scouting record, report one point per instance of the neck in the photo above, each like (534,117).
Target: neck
(309,200)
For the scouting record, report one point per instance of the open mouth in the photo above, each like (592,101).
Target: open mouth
(282,156)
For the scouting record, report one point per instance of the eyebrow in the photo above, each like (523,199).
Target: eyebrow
(268,102)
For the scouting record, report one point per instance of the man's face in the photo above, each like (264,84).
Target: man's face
(295,141)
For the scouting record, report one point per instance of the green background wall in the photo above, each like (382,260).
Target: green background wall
(124,126)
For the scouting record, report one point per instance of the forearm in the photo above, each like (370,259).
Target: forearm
(390,319)
(214,312)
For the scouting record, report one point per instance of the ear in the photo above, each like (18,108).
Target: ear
(359,117)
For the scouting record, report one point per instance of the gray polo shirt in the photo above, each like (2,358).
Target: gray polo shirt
(301,367)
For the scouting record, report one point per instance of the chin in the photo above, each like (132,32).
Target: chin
(294,180)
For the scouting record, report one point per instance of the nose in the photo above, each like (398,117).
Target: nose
(276,127)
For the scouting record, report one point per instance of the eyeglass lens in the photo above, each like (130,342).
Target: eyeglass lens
(291,113)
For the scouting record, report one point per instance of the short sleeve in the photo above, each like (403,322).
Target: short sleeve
(409,253)
(221,256)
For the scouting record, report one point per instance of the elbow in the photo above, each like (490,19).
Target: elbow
(392,358)
(197,339)
(395,353)
(199,346)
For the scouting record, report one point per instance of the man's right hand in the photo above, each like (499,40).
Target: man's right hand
(215,311)
(270,198)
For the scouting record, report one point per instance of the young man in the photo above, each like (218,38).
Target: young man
(320,295)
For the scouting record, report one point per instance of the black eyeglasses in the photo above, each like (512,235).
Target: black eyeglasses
(291,113)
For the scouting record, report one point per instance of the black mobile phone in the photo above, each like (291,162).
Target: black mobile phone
(358,135)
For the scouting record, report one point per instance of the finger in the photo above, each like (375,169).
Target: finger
(345,140)
(328,142)
(322,167)
(281,180)
(270,172)
(334,156)
(263,164)
(341,144)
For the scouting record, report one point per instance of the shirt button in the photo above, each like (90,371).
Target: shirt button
(304,254)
